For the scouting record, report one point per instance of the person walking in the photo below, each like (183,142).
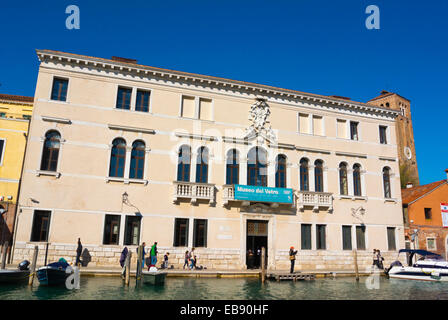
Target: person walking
(292,258)
(153,254)
(78,253)
(380,259)
(187,259)
(375,259)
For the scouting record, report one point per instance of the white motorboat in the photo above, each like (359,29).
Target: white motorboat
(429,267)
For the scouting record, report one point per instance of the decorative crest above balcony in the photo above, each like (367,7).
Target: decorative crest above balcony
(260,125)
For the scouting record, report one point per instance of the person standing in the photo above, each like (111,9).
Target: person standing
(153,254)
(78,253)
(143,255)
(165,261)
(292,258)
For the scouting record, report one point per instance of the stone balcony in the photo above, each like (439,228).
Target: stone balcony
(194,192)
(316,200)
(228,194)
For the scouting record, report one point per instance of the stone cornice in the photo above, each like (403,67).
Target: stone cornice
(248,89)
(132,129)
(58,120)
(194,136)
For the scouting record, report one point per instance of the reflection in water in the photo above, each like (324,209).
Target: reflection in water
(94,288)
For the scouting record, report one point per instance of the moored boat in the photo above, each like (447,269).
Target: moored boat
(54,274)
(429,267)
(20,275)
(154,277)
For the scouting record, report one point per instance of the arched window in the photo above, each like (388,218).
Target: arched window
(50,153)
(304,178)
(357,180)
(280,173)
(137,160)
(256,167)
(202,165)
(233,167)
(386,182)
(319,176)
(183,164)
(343,185)
(117,158)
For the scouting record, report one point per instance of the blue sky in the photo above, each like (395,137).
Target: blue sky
(315,46)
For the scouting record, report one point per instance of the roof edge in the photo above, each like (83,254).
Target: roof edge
(224,81)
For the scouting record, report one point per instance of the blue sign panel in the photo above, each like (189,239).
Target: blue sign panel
(263,194)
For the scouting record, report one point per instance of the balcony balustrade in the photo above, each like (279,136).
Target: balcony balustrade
(194,191)
(317,200)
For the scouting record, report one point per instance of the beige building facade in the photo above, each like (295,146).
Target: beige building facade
(121,153)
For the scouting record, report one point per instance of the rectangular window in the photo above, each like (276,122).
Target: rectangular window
(180,232)
(59,89)
(205,109)
(431,244)
(200,233)
(132,231)
(342,128)
(2,150)
(304,123)
(383,135)
(346,237)
(318,126)
(391,239)
(142,101)
(111,229)
(320,237)
(188,107)
(428,213)
(41,225)
(306,236)
(361,237)
(124,98)
(2,115)
(354,130)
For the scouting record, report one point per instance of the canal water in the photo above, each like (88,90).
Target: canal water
(112,288)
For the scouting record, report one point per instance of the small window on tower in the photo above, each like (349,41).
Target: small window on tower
(428,213)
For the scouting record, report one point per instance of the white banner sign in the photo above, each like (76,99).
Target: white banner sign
(444,209)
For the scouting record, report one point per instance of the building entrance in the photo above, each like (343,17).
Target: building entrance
(257,237)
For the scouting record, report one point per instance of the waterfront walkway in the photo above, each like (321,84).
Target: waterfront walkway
(214,273)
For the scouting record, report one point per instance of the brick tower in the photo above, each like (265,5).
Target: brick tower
(403,128)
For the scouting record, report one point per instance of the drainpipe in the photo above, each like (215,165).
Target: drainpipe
(16,215)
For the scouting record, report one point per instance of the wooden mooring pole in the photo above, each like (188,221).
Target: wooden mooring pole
(263,262)
(33,266)
(4,250)
(46,254)
(139,262)
(355,254)
(128,268)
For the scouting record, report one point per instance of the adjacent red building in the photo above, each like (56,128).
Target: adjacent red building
(423,210)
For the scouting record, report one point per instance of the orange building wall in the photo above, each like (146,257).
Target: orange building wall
(434,226)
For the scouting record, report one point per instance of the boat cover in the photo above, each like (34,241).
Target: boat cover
(59,264)
(421,252)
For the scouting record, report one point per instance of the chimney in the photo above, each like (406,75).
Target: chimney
(409,185)
(446,171)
